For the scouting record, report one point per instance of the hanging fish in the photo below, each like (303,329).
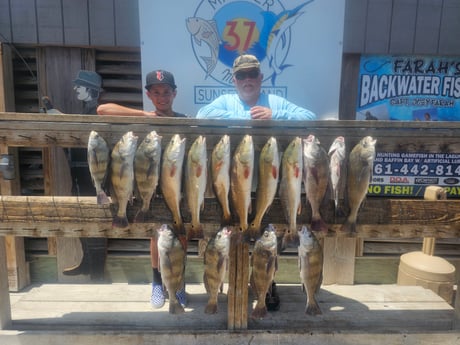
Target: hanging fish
(147,171)
(172,265)
(359,174)
(171,179)
(98,162)
(122,176)
(336,168)
(310,255)
(220,173)
(269,165)
(290,184)
(195,184)
(242,171)
(216,266)
(264,262)
(315,179)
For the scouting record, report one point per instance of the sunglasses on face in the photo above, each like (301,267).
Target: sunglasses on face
(252,74)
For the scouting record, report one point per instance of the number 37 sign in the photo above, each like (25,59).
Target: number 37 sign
(298,43)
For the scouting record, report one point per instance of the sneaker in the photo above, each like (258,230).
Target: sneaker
(157,300)
(181,296)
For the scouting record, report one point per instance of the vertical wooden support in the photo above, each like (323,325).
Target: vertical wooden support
(5,306)
(238,284)
(457,308)
(16,263)
(339,260)
(18,268)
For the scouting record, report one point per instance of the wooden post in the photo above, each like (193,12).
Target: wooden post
(5,306)
(339,260)
(16,262)
(456,324)
(238,284)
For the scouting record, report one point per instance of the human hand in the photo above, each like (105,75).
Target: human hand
(261,113)
(150,113)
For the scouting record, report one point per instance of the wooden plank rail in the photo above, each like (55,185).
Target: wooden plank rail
(69,216)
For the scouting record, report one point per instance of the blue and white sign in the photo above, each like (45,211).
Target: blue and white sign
(407,174)
(298,42)
(409,88)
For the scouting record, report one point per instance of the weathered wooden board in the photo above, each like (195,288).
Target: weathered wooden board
(81,216)
(373,308)
(5,307)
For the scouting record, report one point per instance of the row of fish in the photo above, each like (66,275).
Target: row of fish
(264,263)
(303,161)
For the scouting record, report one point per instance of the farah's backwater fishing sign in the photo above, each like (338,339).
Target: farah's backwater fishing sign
(409,88)
(298,42)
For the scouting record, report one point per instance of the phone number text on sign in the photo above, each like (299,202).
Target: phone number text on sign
(408,174)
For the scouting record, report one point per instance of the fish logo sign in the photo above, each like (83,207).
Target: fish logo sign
(220,31)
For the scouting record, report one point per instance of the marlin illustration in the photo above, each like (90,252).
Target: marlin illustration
(205,30)
(274,36)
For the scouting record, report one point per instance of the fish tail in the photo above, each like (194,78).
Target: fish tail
(211,308)
(339,212)
(102,198)
(259,312)
(120,222)
(319,225)
(140,216)
(349,226)
(227,219)
(290,240)
(253,232)
(175,307)
(312,308)
(195,231)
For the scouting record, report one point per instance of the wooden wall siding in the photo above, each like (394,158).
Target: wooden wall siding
(402,27)
(429,21)
(371,26)
(25,80)
(5,22)
(49,21)
(23,21)
(121,77)
(349,86)
(75,22)
(354,34)
(450,28)
(102,23)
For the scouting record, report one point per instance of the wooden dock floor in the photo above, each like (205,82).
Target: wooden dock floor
(126,307)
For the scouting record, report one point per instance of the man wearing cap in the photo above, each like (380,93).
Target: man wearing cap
(249,102)
(161,90)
